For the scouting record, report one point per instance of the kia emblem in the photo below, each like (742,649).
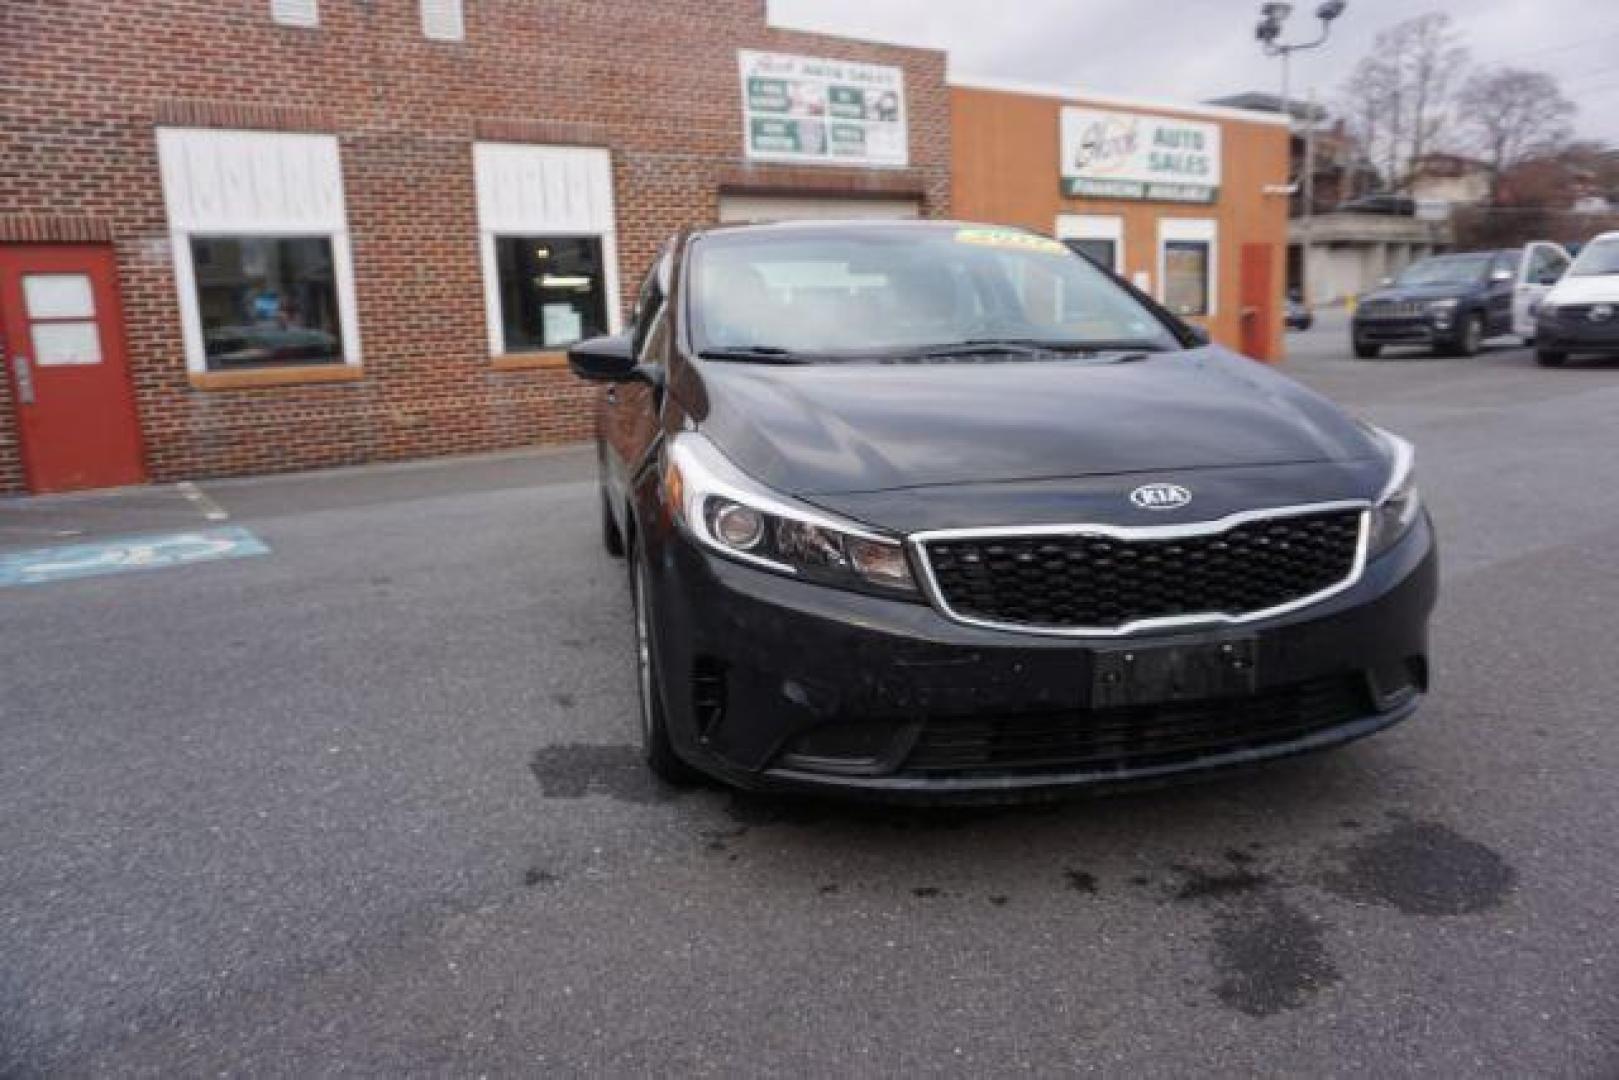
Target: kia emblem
(1160,496)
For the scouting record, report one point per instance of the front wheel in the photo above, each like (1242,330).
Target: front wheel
(1550,357)
(1470,338)
(612,538)
(1367,352)
(656,747)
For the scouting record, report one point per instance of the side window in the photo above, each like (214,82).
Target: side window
(295,12)
(652,345)
(1187,272)
(1538,263)
(443,20)
(648,306)
(1548,266)
(553,290)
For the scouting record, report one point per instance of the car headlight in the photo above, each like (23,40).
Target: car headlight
(735,516)
(1400,502)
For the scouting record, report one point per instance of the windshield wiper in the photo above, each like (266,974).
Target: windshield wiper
(1111,351)
(754,354)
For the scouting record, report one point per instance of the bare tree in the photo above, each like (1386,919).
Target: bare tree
(1513,115)
(1366,110)
(1399,98)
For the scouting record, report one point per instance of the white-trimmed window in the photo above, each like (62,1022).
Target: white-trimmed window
(1188,266)
(548,245)
(295,12)
(261,249)
(1099,237)
(442,20)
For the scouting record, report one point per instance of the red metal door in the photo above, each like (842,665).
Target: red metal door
(1258,293)
(68,367)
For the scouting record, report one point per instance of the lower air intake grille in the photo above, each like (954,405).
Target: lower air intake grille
(1137,737)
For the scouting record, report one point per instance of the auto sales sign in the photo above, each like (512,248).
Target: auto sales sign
(812,110)
(1116,155)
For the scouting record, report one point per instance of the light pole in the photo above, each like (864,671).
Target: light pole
(1269,32)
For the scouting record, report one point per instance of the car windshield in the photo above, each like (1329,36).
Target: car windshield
(1449,270)
(1600,257)
(880,290)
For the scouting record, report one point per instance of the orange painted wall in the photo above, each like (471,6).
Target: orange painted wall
(1005,149)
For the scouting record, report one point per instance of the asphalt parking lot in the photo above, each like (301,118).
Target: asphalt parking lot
(366,801)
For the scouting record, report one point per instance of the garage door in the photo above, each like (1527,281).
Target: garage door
(786,208)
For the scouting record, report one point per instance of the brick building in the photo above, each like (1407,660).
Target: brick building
(253,235)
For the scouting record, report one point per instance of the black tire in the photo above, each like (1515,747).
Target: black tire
(612,538)
(656,748)
(1551,357)
(1367,352)
(1469,337)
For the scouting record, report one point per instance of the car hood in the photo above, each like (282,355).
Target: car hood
(864,427)
(1595,289)
(1419,292)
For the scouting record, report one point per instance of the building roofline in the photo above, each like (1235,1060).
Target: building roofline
(1085,97)
(876,40)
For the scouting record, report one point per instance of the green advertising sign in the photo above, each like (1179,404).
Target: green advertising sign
(846,102)
(808,109)
(767,95)
(1078,188)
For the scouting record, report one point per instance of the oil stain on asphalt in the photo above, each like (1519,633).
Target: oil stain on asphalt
(1423,868)
(1272,956)
(1269,955)
(575,770)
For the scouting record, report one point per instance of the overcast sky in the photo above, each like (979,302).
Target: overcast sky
(1196,49)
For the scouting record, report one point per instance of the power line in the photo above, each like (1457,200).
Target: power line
(1586,43)
(1586,77)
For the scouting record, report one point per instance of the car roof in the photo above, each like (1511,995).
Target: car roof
(835,225)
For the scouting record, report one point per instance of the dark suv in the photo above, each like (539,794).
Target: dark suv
(1448,302)
(933,510)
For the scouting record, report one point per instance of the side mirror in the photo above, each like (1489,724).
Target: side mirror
(1198,334)
(603,359)
(1550,277)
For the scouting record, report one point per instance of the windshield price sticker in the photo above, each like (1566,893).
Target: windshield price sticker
(1010,238)
(831,112)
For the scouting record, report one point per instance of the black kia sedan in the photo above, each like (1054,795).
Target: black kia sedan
(941,511)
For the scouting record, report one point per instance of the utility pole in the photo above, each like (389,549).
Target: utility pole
(1269,32)
(1306,220)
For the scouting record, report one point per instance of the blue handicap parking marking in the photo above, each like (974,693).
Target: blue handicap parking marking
(126,553)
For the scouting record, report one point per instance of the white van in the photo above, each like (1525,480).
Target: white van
(1581,313)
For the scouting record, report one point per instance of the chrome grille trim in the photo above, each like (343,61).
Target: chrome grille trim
(1392,309)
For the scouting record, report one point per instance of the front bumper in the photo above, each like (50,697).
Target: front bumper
(1405,330)
(773,683)
(1577,334)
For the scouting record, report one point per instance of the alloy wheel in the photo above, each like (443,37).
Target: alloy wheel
(643,651)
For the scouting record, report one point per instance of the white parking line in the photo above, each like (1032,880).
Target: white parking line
(210,510)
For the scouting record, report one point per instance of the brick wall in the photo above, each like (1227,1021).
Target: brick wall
(84,83)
